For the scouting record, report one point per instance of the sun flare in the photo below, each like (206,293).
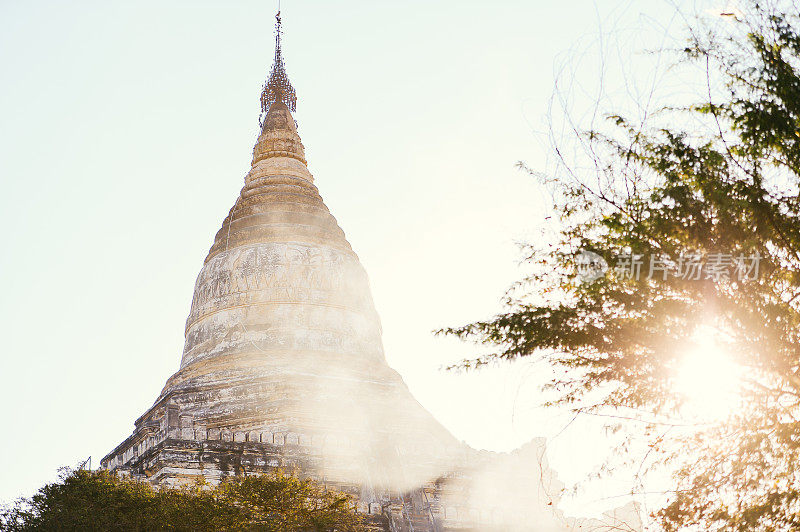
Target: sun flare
(708,379)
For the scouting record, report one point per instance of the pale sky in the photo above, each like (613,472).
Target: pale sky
(128,127)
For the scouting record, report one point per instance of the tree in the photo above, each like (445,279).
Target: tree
(102,501)
(697,214)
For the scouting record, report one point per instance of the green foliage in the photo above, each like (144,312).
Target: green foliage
(101,501)
(719,177)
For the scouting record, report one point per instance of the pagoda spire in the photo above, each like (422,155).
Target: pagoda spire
(278,88)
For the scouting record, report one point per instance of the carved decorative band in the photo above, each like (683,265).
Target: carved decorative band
(277,153)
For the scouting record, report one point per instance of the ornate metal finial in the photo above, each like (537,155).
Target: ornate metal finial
(277,88)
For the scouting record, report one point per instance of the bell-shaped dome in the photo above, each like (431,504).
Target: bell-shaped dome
(280,274)
(283,336)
